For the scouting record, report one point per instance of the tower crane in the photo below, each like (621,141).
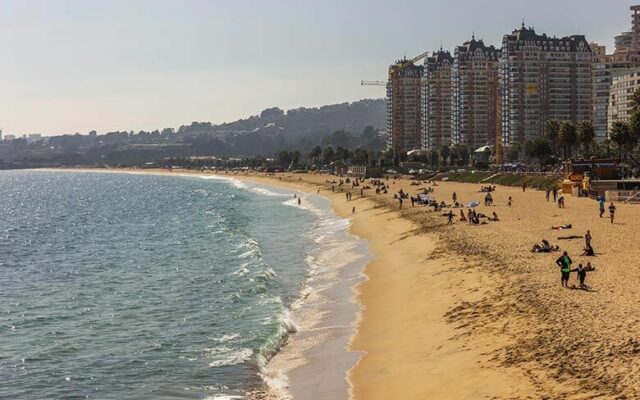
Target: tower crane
(373,83)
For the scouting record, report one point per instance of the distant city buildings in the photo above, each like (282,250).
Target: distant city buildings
(488,96)
(543,78)
(437,100)
(404,107)
(621,94)
(475,94)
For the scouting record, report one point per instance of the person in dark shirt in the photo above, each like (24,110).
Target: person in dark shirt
(564,262)
(612,212)
(582,275)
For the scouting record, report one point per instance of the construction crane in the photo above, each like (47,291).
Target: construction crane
(373,83)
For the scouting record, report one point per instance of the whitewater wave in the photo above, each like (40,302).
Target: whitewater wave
(229,356)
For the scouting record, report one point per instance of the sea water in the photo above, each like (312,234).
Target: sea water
(126,286)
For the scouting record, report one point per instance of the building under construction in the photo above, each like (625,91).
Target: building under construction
(404,106)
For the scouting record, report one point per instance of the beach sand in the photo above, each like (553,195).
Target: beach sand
(468,312)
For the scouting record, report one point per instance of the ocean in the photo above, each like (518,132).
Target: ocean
(132,286)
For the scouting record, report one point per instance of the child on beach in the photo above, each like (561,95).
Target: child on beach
(612,212)
(601,204)
(509,202)
(582,275)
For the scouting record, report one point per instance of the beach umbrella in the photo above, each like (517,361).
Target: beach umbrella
(473,204)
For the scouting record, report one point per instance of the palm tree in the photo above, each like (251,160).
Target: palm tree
(315,154)
(567,136)
(586,134)
(551,132)
(621,135)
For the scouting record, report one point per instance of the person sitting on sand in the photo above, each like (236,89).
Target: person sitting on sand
(462,217)
(495,217)
(545,248)
(475,220)
(564,262)
(588,251)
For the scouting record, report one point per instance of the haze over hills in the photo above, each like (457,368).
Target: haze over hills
(349,125)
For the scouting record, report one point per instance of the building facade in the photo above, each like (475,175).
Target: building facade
(474,80)
(605,67)
(404,107)
(543,78)
(622,88)
(437,100)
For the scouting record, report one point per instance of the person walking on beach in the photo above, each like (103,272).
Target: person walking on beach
(547,192)
(509,202)
(524,187)
(450,218)
(555,194)
(582,275)
(564,262)
(400,201)
(561,202)
(612,212)
(587,238)
(299,201)
(454,196)
(601,204)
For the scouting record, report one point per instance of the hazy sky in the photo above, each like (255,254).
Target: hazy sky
(72,66)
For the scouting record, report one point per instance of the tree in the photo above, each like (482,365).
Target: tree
(434,156)
(551,132)
(444,153)
(586,134)
(634,125)
(621,135)
(635,100)
(315,154)
(464,154)
(454,155)
(539,148)
(567,137)
(284,158)
(328,154)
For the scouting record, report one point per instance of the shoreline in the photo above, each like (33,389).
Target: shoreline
(469,312)
(325,314)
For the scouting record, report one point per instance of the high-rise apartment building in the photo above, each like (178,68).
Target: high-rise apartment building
(542,78)
(621,92)
(475,94)
(605,66)
(436,100)
(404,107)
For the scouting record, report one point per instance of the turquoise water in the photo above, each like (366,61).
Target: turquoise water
(122,286)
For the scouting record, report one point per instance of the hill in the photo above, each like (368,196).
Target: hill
(349,125)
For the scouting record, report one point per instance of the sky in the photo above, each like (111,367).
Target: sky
(70,66)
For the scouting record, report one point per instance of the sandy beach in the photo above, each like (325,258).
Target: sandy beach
(468,312)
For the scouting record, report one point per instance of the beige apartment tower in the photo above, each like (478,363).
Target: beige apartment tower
(437,100)
(543,78)
(475,94)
